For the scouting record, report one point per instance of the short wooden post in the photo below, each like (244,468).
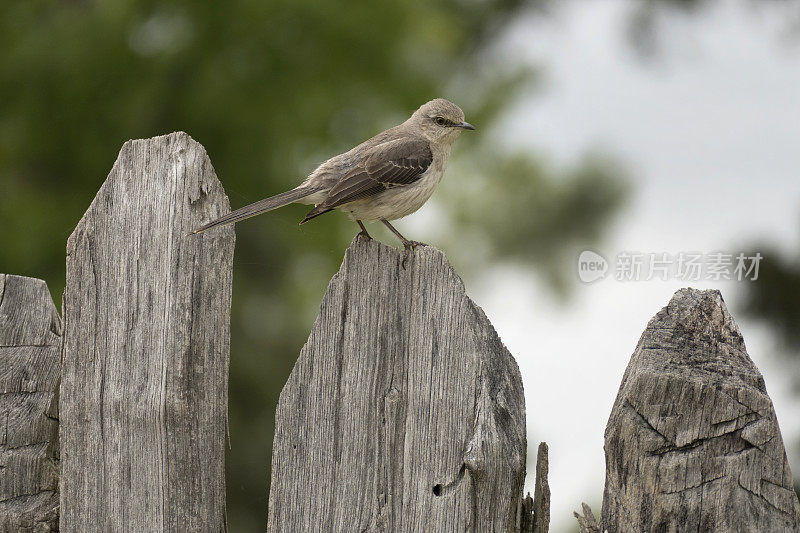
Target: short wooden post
(692,443)
(404,411)
(146,340)
(541,499)
(30,366)
(535,512)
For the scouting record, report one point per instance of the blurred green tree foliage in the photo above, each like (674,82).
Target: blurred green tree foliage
(775,299)
(272,88)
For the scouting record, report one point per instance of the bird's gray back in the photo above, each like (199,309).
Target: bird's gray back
(328,174)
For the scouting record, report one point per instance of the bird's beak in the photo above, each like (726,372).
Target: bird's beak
(466,126)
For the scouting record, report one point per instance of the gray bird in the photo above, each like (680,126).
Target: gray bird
(384,178)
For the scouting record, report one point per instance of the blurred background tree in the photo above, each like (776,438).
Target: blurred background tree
(775,299)
(271,89)
(775,302)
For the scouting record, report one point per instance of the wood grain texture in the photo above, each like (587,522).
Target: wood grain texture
(692,443)
(541,499)
(404,411)
(30,365)
(146,347)
(535,512)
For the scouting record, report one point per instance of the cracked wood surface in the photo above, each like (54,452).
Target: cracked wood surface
(146,347)
(404,411)
(30,365)
(693,442)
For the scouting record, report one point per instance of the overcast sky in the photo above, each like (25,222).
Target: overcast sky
(709,133)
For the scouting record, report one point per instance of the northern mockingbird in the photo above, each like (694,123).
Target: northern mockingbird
(384,178)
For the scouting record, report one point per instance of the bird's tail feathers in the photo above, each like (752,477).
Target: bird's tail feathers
(317,211)
(262,206)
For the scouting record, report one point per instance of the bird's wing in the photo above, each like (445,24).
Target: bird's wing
(392,164)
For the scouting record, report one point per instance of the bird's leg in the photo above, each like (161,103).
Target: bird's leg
(363,232)
(408,245)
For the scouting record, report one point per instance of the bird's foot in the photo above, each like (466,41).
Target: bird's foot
(363,232)
(409,246)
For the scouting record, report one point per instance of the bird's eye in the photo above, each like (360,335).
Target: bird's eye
(440,121)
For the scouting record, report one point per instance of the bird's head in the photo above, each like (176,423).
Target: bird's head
(441,121)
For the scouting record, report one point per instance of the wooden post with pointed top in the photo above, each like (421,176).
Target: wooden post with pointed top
(693,443)
(146,347)
(404,411)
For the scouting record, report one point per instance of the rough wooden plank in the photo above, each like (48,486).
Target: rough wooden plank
(535,512)
(541,498)
(692,443)
(30,365)
(404,411)
(146,312)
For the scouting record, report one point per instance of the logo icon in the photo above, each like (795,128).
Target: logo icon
(591,266)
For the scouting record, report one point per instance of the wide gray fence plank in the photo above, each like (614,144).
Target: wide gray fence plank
(146,334)
(692,443)
(30,362)
(404,411)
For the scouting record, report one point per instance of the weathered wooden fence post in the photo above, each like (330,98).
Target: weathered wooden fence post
(30,366)
(404,411)
(146,340)
(692,443)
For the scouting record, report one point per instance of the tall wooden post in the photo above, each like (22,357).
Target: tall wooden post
(146,340)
